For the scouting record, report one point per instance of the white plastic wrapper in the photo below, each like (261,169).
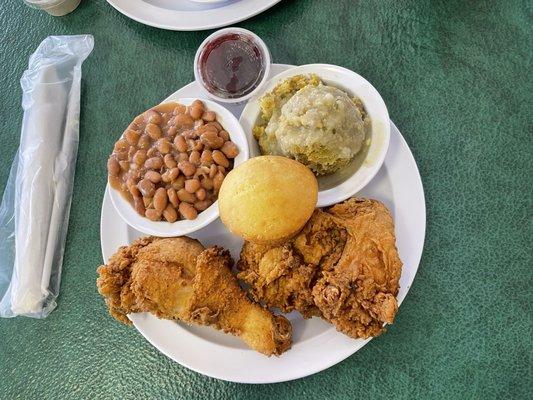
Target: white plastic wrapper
(35,207)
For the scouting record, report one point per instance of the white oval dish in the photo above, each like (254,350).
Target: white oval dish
(339,186)
(184,227)
(316,344)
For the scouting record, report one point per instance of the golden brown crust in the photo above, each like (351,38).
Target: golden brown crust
(175,278)
(283,276)
(370,263)
(280,279)
(114,280)
(219,301)
(267,199)
(343,266)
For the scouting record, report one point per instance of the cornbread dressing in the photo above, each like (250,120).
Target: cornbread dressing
(315,124)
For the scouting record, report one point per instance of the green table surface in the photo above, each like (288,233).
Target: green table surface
(456,77)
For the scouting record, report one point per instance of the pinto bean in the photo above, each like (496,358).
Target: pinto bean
(178,183)
(170,214)
(146,187)
(139,157)
(144,142)
(206,158)
(179,109)
(173,197)
(153,176)
(196,110)
(187,168)
(139,205)
(163,145)
(224,135)
(211,139)
(184,121)
(160,199)
(217,181)
(230,149)
(201,194)
(194,157)
(188,211)
(192,185)
(113,167)
(209,116)
(220,158)
(153,117)
(213,171)
(207,183)
(152,214)
(169,161)
(154,131)
(180,143)
(170,175)
(183,157)
(132,137)
(154,163)
(202,205)
(183,195)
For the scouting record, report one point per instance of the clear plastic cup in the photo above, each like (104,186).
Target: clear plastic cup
(56,8)
(257,41)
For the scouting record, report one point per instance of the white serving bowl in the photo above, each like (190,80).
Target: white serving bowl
(184,227)
(351,179)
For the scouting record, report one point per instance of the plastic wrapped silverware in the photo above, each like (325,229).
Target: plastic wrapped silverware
(36,203)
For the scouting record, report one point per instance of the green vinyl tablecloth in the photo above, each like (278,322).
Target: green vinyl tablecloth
(456,77)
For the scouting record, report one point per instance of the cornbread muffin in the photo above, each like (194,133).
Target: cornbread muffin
(267,199)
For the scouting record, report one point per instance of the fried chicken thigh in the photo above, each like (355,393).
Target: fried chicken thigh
(176,278)
(343,266)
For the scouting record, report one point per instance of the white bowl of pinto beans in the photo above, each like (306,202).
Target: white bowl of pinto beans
(168,165)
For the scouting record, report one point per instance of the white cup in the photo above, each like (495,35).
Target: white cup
(56,8)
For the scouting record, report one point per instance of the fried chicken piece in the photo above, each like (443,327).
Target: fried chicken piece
(342,266)
(283,276)
(359,294)
(176,278)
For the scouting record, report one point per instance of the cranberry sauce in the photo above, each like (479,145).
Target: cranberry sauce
(231,66)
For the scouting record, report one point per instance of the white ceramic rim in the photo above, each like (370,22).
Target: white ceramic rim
(44,3)
(208,1)
(174,20)
(264,49)
(184,227)
(410,212)
(356,85)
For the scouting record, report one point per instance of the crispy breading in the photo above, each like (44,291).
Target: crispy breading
(176,278)
(343,266)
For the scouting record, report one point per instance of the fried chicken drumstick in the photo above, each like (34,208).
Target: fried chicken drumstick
(176,278)
(343,266)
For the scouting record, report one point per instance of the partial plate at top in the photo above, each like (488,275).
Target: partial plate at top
(187,15)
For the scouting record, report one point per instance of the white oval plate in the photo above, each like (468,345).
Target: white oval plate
(316,344)
(185,15)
